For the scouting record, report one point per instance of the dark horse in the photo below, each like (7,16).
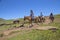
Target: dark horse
(51,17)
(41,19)
(16,21)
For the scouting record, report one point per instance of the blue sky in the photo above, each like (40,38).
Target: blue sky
(11,9)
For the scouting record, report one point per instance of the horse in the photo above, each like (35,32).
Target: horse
(51,17)
(36,19)
(42,19)
(16,21)
(28,18)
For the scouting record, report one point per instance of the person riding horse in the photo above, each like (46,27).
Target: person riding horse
(30,18)
(41,17)
(51,17)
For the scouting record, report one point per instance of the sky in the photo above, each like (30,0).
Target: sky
(12,9)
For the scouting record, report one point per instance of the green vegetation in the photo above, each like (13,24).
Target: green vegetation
(37,35)
(2,20)
(4,27)
(14,32)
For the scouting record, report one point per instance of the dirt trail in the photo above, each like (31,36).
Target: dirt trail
(6,32)
(21,31)
(35,26)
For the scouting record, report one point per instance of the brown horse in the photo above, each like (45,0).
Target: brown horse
(28,18)
(16,21)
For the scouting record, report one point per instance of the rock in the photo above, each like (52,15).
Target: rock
(53,29)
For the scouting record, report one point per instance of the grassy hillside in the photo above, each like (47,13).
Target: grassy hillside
(36,34)
(2,20)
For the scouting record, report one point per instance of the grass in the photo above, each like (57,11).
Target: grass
(14,32)
(37,35)
(4,27)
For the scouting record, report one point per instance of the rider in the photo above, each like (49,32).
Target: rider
(32,15)
(41,14)
(51,15)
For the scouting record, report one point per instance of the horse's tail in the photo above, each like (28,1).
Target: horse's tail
(24,18)
(53,18)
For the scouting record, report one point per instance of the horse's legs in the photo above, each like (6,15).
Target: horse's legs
(18,22)
(24,20)
(52,20)
(43,20)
